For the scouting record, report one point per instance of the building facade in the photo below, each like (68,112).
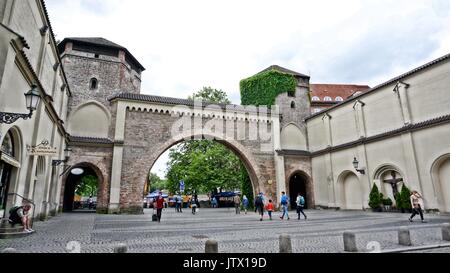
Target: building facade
(91,102)
(29,57)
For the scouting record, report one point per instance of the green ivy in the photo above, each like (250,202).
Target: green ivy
(262,89)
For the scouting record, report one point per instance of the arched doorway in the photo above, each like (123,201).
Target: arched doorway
(82,183)
(9,164)
(350,192)
(299,183)
(441,180)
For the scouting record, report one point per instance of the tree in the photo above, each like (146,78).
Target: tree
(205,165)
(88,186)
(375,198)
(209,94)
(403,199)
(155,183)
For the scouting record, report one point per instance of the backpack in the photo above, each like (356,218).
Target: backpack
(13,210)
(284,200)
(301,202)
(259,201)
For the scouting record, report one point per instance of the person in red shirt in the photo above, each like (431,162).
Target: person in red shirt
(159,206)
(270,209)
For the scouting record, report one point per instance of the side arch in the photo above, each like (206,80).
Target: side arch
(90,119)
(440,171)
(350,191)
(308,188)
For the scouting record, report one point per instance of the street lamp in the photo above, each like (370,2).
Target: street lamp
(67,152)
(356,165)
(32,99)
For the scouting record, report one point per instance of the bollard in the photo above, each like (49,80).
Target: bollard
(285,244)
(121,248)
(446,232)
(350,242)
(212,246)
(404,237)
(8,251)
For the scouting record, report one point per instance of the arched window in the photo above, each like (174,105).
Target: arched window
(93,84)
(339,99)
(293,105)
(357,93)
(315,98)
(328,99)
(8,145)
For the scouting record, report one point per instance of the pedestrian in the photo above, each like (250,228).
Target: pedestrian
(20,215)
(159,206)
(245,204)
(301,206)
(193,205)
(90,202)
(237,204)
(270,209)
(417,206)
(214,202)
(285,206)
(259,205)
(180,203)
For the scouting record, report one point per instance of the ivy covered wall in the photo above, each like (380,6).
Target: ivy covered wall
(263,88)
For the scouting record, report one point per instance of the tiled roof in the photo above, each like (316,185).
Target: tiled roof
(98,41)
(284,70)
(90,140)
(174,101)
(392,81)
(336,90)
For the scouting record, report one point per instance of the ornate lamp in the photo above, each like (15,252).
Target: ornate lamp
(32,101)
(67,153)
(356,165)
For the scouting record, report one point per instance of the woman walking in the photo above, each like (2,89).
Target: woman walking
(417,205)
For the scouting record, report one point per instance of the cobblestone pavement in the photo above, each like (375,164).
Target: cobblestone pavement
(187,233)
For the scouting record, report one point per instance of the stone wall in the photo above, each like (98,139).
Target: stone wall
(145,141)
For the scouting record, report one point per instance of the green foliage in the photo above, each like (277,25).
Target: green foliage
(156,183)
(403,199)
(388,202)
(205,165)
(209,94)
(246,186)
(375,198)
(88,186)
(262,89)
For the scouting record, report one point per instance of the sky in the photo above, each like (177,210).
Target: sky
(186,45)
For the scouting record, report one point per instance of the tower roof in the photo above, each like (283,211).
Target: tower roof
(284,70)
(101,42)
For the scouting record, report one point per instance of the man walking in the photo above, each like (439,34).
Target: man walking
(159,206)
(301,206)
(259,205)
(285,206)
(237,204)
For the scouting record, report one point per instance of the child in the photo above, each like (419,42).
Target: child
(270,209)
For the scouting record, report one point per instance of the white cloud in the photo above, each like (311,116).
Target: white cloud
(186,45)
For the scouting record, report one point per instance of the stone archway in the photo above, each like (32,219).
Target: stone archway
(10,163)
(71,181)
(440,173)
(137,170)
(300,182)
(350,191)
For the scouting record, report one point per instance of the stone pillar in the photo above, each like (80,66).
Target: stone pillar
(212,246)
(329,163)
(404,237)
(401,90)
(350,242)
(121,248)
(279,160)
(446,232)
(116,175)
(285,244)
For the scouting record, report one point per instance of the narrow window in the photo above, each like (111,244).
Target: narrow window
(293,105)
(97,56)
(94,84)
